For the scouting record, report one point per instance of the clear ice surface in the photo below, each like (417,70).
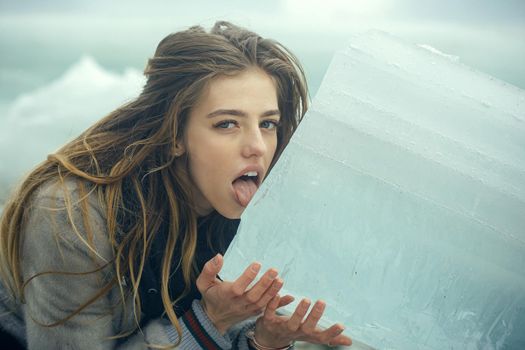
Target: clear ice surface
(400,201)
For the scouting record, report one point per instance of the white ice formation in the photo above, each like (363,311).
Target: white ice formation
(400,201)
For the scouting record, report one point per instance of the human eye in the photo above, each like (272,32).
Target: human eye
(226,124)
(270,124)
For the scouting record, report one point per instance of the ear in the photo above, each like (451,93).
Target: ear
(179,149)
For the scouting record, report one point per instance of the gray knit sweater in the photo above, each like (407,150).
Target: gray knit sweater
(51,244)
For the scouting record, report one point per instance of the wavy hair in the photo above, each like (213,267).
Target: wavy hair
(127,158)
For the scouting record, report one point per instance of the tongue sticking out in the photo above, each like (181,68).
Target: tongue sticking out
(244,190)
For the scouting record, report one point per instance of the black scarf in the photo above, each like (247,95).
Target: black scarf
(214,235)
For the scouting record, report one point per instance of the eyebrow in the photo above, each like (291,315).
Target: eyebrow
(239,113)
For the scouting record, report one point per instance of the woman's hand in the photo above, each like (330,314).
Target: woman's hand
(272,330)
(227,303)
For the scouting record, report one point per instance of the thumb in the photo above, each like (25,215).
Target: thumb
(209,273)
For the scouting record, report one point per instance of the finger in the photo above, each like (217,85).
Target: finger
(269,312)
(209,272)
(247,277)
(329,335)
(340,340)
(271,292)
(297,317)
(286,300)
(262,286)
(313,317)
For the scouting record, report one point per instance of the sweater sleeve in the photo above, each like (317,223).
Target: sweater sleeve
(58,312)
(199,333)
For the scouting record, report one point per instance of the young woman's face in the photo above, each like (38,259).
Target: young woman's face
(230,140)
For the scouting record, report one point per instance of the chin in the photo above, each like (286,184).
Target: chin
(231,213)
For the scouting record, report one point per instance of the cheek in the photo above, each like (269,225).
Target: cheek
(206,161)
(272,147)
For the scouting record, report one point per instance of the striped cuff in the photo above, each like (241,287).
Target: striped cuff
(198,331)
(242,341)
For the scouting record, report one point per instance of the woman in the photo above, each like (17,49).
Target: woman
(115,241)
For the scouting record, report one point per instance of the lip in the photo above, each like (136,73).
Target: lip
(260,173)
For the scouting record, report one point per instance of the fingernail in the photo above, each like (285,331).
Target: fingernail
(216,260)
(256,267)
(272,274)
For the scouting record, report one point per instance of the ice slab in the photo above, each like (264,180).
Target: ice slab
(400,201)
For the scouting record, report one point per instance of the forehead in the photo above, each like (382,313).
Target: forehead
(250,86)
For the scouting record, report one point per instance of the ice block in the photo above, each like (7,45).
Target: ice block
(400,201)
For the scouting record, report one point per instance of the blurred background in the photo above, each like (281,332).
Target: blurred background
(64,64)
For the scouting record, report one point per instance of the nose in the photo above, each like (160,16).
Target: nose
(254,144)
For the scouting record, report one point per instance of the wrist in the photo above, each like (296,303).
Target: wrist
(220,326)
(258,346)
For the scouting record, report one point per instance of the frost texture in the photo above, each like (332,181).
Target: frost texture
(401,202)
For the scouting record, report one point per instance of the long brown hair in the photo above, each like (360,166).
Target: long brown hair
(128,157)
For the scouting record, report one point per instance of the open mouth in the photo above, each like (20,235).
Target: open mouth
(245,187)
(250,176)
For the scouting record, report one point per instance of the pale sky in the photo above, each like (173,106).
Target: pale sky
(487,35)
